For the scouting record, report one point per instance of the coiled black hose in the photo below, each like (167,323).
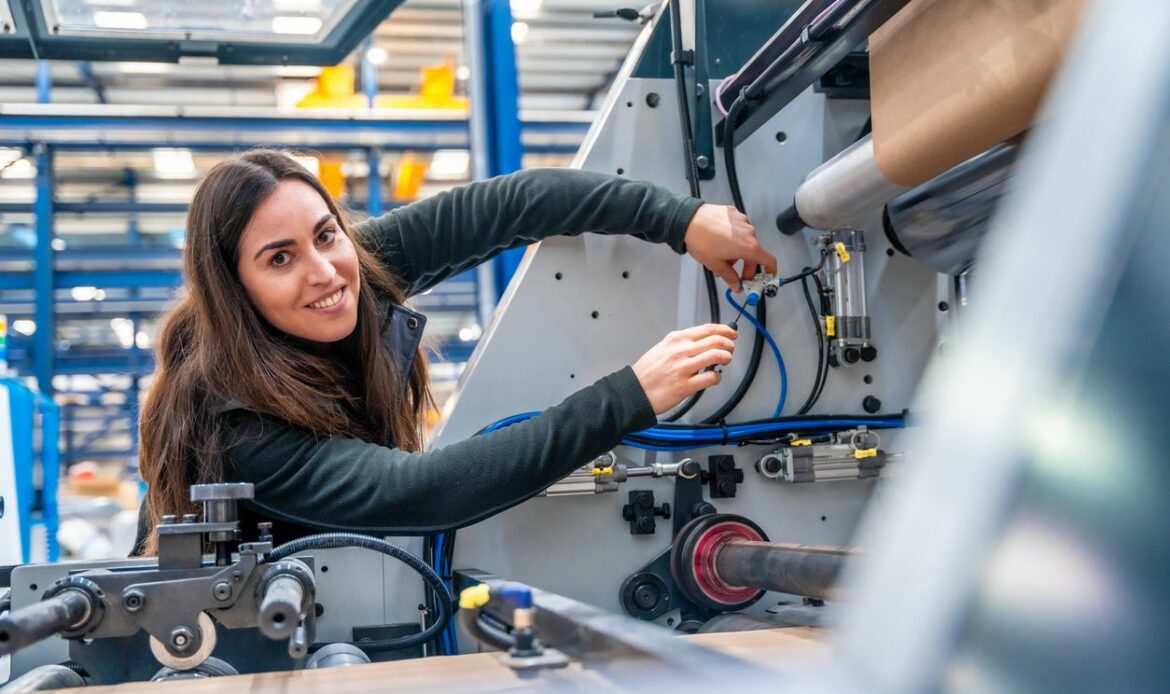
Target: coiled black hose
(335,540)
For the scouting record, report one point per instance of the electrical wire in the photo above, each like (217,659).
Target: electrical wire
(822,356)
(692,170)
(335,540)
(761,330)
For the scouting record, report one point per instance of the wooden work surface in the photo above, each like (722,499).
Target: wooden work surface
(478,671)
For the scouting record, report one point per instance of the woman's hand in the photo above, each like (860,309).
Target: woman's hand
(719,236)
(673,369)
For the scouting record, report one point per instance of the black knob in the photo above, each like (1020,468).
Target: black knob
(851,355)
(871,404)
(868,353)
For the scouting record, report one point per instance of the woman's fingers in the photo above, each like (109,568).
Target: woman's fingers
(704,380)
(712,342)
(711,357)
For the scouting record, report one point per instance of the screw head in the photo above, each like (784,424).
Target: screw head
(133,600)
(702,161)
(182,638)
(222,590)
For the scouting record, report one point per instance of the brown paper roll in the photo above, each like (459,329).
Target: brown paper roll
(951,78)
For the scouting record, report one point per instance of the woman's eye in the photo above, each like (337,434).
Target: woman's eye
(279,259)
(327,236)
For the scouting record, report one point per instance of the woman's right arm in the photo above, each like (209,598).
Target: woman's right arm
(339,483)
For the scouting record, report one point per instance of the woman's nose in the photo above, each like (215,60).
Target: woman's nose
(321,270)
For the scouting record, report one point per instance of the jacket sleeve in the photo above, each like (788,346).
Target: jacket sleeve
(428,241)
(336,483)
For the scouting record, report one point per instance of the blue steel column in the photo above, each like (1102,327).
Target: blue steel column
(374,179)
(501,108)
(44,81)
(134,238)
(44,342)
(477,139)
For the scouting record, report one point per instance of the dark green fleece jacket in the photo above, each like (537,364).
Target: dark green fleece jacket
(305,482)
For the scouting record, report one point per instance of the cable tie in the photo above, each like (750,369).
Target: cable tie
(723,428)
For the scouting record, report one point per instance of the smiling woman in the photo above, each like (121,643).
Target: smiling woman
(294,364)
(301,276)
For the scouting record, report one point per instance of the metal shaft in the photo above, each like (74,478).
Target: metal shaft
(797,569)
(26,626)
(280,610)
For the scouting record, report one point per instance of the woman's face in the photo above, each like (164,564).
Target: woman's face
(298,267)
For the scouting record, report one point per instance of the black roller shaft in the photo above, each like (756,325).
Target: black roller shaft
(281,608)
(796,569)
(26,626)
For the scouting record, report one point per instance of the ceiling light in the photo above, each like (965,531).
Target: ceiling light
(21,168)
(449,164)
(24,326)
(58,244)
(144,68)
(525,9)
(463,72)
(173,163)
(119,20)
(313,164)
(470,333)
(519,32)
(377,55)
(83,293)
(303,26)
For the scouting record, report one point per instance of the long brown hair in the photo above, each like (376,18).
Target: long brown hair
(214,350)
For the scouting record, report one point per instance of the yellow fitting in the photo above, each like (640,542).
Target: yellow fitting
(841,252)
(599,471)
(475,596)
(830,326)
(801,442)
(865,453)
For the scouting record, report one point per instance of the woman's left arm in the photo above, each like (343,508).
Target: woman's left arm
(433,239)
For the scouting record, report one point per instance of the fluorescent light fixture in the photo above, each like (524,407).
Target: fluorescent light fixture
(142,340)
(9,155)
(377,55)
(144,68)
(519,32)
(525,9)
(24,326)
(301,26)
(470,333)
(173,163)
(313,164)
(306,6)
(124,330)
(106,19)
(83,293)
(21,168)
(58,244)
(463,72)
(449,164)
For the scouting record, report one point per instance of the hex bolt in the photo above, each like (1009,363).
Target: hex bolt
(169,519)
(222,591)
(182,638)
(189,517)
(133,600)
(702,161)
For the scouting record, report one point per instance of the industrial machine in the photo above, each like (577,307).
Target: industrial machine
(951,463)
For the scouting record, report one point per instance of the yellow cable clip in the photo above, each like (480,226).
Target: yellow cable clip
(599,471)
(475,596)
(841,252)
(801,442)
(865,453)
(830,326)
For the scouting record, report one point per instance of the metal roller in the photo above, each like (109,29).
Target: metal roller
(724,562)
(280,610)
(65,611)
(940,222)
(840,191)
(797,569)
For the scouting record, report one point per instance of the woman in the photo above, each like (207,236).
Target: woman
(293,364)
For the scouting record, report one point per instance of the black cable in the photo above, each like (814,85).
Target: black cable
(678,61)
(818,328)
(483,632)
(335,540)
(826,308)
(433,647)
